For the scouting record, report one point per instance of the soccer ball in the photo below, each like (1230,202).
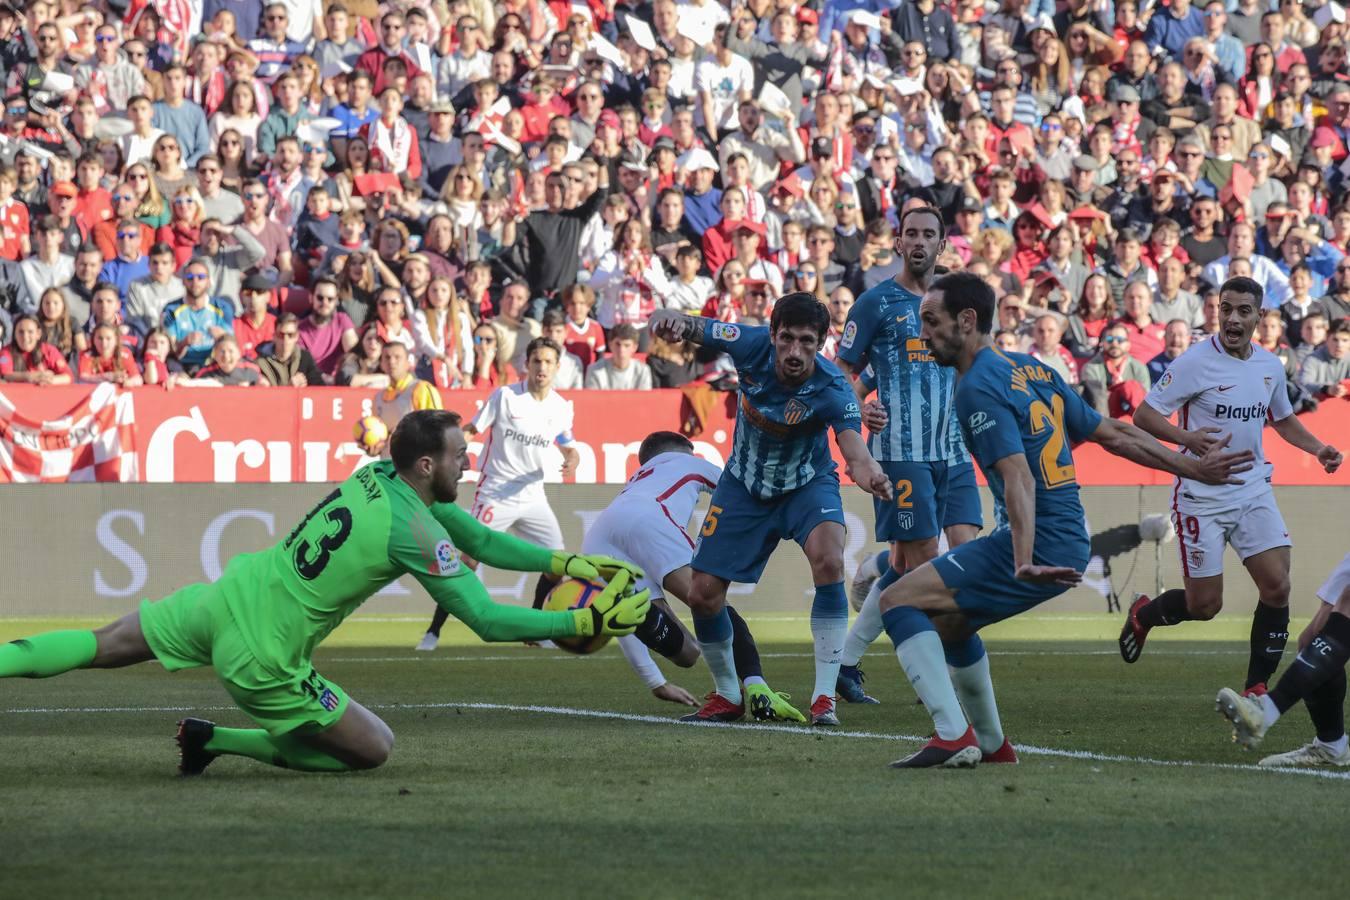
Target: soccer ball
(573,593)
(370,432)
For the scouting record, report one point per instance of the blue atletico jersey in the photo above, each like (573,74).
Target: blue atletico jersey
(883,331)
(957,454)
(781,442)
(1009,403)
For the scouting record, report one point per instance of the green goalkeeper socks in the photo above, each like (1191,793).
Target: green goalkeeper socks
(284,752)
(45,655)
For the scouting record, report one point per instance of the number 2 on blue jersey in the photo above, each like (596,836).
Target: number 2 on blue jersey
(1053,473)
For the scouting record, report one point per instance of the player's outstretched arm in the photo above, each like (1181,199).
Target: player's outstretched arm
(1297,435)
(1216,466)
(496,548)
(865,471)
(1161,427)
(672,326)
(1019,498)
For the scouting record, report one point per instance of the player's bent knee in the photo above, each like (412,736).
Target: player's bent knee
(1204,608)
(827,568)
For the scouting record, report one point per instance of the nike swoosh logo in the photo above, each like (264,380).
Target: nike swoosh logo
(823,510)
(1226,388)
(957,564)
(904,318)
(1277,651)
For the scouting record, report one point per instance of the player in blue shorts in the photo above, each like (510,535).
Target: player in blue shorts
(920,446)
(1019,420)
(780,482)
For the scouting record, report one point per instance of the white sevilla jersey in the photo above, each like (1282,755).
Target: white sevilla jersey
(672,480)
(519,433)
(1236,396)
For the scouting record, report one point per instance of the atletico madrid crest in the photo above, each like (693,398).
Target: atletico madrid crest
(795,411)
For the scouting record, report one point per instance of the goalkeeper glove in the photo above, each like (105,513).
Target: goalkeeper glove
(592,567)
(616,611)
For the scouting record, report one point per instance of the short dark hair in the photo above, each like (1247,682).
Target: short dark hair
(1340,326)
(420,433)
(161,249)
(659,442)
(799,309)
(963,290)
(928,210)
(1243,285)
(622,332)
(551,319)
(542,343)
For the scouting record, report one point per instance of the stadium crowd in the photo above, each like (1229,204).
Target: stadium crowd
(242,192)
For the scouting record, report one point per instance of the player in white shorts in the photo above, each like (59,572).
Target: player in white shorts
(1317,677)
(1226,389)
(646,525)
(521,423)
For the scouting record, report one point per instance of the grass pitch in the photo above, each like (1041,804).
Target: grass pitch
(522,771)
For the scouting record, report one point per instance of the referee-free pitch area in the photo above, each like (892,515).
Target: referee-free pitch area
(523,771)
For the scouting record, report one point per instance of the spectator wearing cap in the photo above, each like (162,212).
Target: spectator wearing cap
(749,244)
(1082,189)
(392,29)
(62,198)
(440,151)
(283,362)
(255,326)
(148,297)
(702,201)
(198,321)
(621,370)
(764,148)
(48,267)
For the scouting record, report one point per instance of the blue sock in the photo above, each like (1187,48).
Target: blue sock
(714,635)
(889,576)
(970,676)
(829,623)
(920,652)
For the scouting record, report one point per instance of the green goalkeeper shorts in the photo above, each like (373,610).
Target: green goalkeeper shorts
(193,627)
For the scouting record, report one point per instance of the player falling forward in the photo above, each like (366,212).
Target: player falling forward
(645,524)
(1019,420)
(1226,385)
(1317,677)
(521,421)
(779,483)
(919,446)
(259,625)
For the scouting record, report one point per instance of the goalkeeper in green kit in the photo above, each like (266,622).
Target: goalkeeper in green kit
(259,625)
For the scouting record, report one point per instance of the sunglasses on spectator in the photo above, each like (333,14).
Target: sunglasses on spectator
(127,235)
(1114,339)
(391,303)
(231,142)
(1051,126)
(123,198)
(18,110)
(105,38)
(484,339)
(804,273)
(195,276)
(1258,156)
(183,201)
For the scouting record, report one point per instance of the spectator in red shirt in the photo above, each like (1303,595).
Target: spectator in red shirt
(392,29)
(585,337)
(14,241)
(26,359)
(93,204)
(255,326)
(108,359)
(1147,337)
(124,205)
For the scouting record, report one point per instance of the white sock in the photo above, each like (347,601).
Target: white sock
(925,665)
(976,690)
(868,568)
(865,629)
(750,680)
(1269,709)
(640,658)
(722,664)
(1338,746)
(828,636)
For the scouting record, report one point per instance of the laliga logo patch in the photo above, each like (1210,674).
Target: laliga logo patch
(850,335)
(1165,380)
(979,422)
(724,332)
(446,560)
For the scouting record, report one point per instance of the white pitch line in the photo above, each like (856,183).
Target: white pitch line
(543,655)
(573,712)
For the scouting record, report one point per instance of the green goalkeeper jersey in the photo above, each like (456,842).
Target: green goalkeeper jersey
(368,532)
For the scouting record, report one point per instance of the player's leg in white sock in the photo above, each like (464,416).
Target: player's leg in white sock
(970,676)
(829,623)
(714,637)
(866,627)
(919,650)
